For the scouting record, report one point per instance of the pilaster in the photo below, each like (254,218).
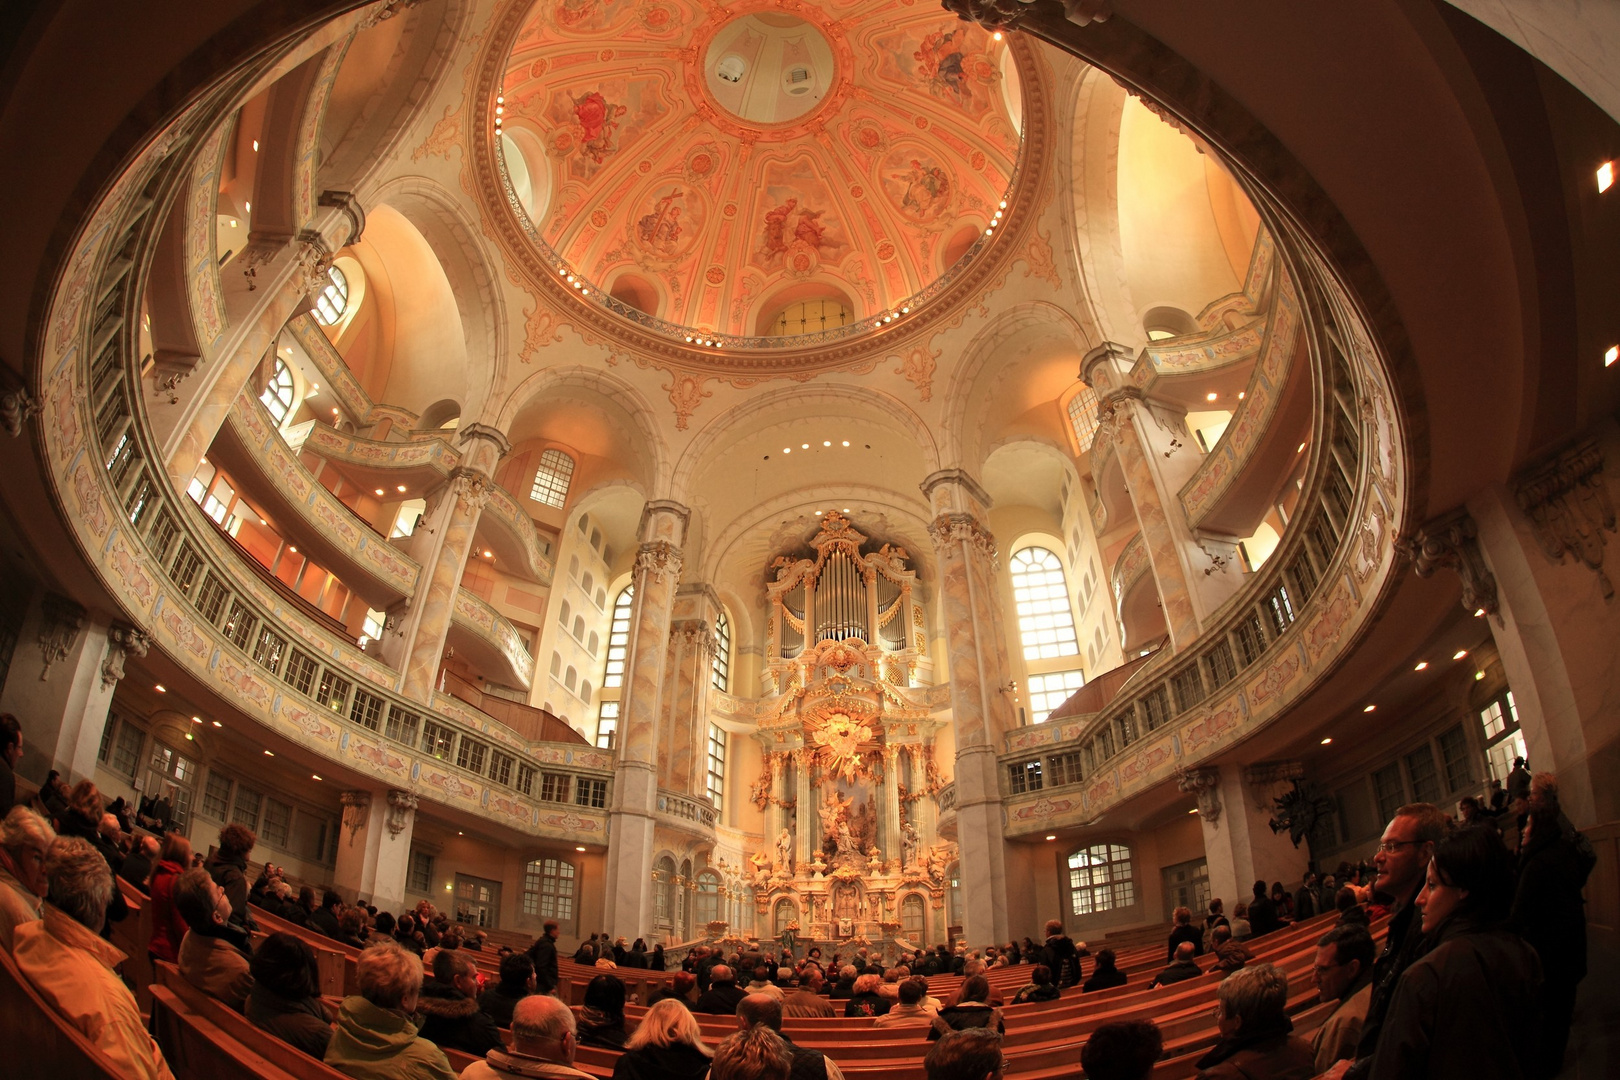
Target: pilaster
(1235,809)
(374,847)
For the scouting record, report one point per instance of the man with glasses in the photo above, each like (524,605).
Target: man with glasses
(543,1044)
(1400,865)
(1343,973)
(974,1054)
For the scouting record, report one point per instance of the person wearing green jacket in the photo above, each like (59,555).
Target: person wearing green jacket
(375,1038)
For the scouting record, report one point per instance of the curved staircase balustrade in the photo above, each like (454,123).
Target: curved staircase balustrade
(500,640)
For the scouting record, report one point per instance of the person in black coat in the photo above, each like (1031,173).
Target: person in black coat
(1549,912)
(1263,917)
(1060,954)
(543,955)
(1184,931)
(1106,975)
(655,959)
(723,994)
(325,917)
(450,1015)
(286,995)
(228,867)
(601,1019)
(517,982)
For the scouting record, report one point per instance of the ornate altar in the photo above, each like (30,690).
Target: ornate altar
(848,745)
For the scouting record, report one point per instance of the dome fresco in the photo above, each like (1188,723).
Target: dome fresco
(710,166)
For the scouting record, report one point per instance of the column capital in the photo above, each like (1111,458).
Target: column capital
(356,811)
(1263,778)
(1451,542)
(950,532)
(1204,783)
(401,805)
(660,558)
(1118,359)
(123,641)
(61,619)
(1569,508)
(502,444)
(960,479)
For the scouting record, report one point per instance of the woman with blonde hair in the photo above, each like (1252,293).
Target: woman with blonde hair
(757,1053)
(667,1045)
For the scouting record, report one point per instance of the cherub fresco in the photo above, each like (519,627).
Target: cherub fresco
(921,191)
(659,230)
(598,121)
(940,63)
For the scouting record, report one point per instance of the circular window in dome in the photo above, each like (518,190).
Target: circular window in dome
(769,67)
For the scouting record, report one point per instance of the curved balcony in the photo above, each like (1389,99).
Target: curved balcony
(175,575)
(304,512)
(1136,596)
(1240,478)
(688,813)
(510,533)
(351,396)
(945,811)
(1277,639)
(489,641)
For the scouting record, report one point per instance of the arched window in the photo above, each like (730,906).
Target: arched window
(619,638)
(595,643)
(1100,879)
(548,889)
(664,891)
(278,396)
(552,478)
(334,299)
(1045,623)
(784,913)
(717,764)
(587,581)
(556,664)
(1083,418)
(579,627)
(571,678)
(565,614)
(911,917)
(722,653)
(585,689)
(707,906)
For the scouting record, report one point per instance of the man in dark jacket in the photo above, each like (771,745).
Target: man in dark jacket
(1263,918)
(517,982)
(723,994)
(763,1009)
(1185,966)
(138,863)
(451,1019)
(586,954)
(1550,913)
(228,867)
(543,955)
(325,917)
(1305,899)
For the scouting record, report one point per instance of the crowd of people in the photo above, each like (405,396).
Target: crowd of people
(1476,977)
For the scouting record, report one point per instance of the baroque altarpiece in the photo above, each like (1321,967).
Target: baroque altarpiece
(849,777)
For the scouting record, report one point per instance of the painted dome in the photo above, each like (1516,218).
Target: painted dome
(758,170)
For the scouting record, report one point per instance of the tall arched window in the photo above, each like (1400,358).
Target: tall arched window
(552,478)
(784,913)
(618,638)
(1100,879)
(911,917)
(664,891)
(708,898)
(278,396)
(1045,622)
(548,889)
(717,764)
(722,653)
(334,299)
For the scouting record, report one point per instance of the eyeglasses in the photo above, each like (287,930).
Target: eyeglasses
(1390,847)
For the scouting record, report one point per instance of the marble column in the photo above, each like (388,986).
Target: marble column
(441,545)
(1234,809)
(374,847)
(1194,574)
(656,577)
(981,709)
(805,843)
(689,682)
(889,823)
(1540,572)
(66,665)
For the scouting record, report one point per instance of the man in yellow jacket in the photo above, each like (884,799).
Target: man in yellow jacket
(73,969)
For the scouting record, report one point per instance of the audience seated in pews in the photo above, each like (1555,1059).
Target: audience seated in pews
(82,818)
(1241,930)
(1039,988)
(326,917)
(286,995)
(543,1030)
(971,1010)
(1229,955)
(1343,973)
(1184,966)
(228,867)
(1123,1050)
(601,1018)
(1184,931)
(761,983)
(448,1006)
(909,1010)
(1467,1008)
(1256,1036)
(723,994)
(866,1001)
(667,1045)
(760,1011)
(844,988)
(375,1039)
(25,840)
(965,1055)
(807,999)
(213,954)
(140,862)
(168,928)
(516,983)
(754,1053)
(1105,976)
(75,971)
(682,988)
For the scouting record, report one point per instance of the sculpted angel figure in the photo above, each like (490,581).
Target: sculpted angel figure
(784,850)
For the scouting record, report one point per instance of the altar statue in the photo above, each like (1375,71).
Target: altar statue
(909,842)
(784,850)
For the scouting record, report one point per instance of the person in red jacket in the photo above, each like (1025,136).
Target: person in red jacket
(168,928)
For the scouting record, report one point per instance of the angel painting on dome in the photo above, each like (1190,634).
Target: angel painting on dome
(921,189)
(598,121)
(660,229)
(940,59)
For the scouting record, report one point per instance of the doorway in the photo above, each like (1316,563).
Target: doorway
(1187,885)
(478,901)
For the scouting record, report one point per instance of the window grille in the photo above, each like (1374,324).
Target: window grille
(551,479)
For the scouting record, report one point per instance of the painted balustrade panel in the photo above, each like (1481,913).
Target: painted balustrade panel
(504,510)
(432,453)
(335,374)
(474,614)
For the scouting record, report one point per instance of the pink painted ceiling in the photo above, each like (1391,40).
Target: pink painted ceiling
(908,152)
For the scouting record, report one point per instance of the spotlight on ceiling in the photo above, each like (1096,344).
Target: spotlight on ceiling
(1459,654)
(1327,741)
(1369,708)
(1421,665)
(1605,176)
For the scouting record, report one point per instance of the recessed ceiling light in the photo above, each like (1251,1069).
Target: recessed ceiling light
(845,510)
(379,491)
(818,513)
(1610,355)
(826,442)
(1301,449)
(804,446)
(247,206)
(1051,836)
(196,719)
(580,847)
(1369,708)
(1479,613)
(160,688)
(218,724)
(846,442)
(267,753)
(489,554)
(1194,810)
(1459,654)
(1211,396)
(787,449)
(1421,665)
(293,548)
(400,488)
(1605,176)
(1327,741)
(314,776)
(460,833)
(255,145)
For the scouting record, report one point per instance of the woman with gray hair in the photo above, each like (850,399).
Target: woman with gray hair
(25,839)
(1256,1036)
(667,1045)
(375,1038)
(75,970)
